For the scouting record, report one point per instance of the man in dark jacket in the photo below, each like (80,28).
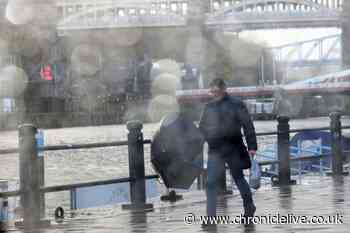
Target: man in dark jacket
(221,123)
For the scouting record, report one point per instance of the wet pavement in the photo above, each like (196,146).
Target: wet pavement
(314,196)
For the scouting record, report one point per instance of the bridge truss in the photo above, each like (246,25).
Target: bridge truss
(324,50)
(228,15)
(316,53)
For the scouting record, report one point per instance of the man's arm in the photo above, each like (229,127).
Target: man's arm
(248,128)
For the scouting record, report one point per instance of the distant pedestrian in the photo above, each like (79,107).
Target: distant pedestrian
(221,123)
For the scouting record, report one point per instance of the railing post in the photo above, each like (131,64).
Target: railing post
(336,145)
(136,167)
(29,175)
(41,169)
(284,176)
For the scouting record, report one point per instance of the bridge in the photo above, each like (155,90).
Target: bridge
(325,50)
(262,14)
(334,83)
(228,15)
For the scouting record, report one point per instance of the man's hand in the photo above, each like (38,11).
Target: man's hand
(252,153)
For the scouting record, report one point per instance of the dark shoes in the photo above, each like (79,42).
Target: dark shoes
(249,210)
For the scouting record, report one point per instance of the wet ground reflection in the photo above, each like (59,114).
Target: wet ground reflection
(316,196)
(285,198)
(138,222)
(338,190)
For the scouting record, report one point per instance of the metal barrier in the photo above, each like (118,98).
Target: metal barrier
(283,152)
(31,165)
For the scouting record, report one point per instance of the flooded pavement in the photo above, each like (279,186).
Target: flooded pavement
(316,195)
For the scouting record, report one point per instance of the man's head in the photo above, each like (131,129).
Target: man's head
(217,88)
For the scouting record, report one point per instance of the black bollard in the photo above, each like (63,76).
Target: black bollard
(31,179)
(29,175)
(337,145)
(136,167)
(284,176)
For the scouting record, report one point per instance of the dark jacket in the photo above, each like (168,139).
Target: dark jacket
(221,124)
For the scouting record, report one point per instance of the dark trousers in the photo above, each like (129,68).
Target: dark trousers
(215,170)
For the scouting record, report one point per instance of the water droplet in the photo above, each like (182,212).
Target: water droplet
(166,66)
(160,106)
(165,83)
(127,37)
(86,59)
(19,12)
(13,81)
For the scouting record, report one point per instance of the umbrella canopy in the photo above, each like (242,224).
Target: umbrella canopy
(177,150)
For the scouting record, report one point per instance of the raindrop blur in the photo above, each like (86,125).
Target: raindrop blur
(119,55)
(135,113)
(19,12)
(194,51)
(3,47)
(126,37)
(13,81)
(160,106)
(86,59)
(46,13)
(287,105)
(155,71)
(43,33)
(29,45)
(248,58)
(166,84)
(166,66)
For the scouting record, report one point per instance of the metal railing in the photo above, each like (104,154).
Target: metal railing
(32,171)
(283,150)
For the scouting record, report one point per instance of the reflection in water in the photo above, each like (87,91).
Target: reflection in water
(33,231)
(211,229)
(42,227)
(285,198)
(138,221)
(338,190)
(222,206)
(249,228)
(224,209)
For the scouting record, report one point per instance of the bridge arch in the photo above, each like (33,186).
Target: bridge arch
(240,15)
(271,5)
(114,14)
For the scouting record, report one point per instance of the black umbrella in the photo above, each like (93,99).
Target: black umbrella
(177,150)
